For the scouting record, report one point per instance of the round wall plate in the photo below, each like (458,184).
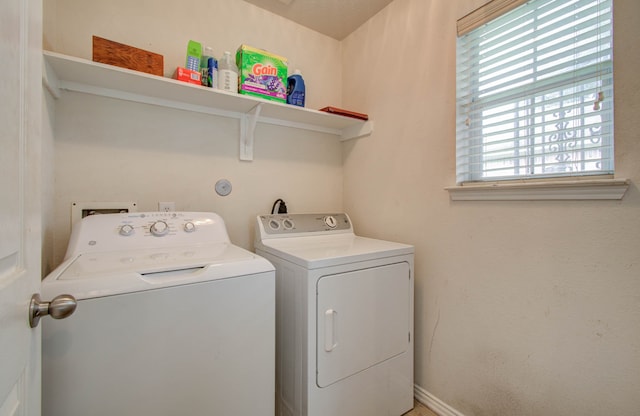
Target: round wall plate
(223,187)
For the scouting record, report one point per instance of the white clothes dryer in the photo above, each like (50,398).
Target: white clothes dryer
(172,319)
(344,317)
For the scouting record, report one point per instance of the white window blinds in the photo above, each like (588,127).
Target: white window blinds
(535,93)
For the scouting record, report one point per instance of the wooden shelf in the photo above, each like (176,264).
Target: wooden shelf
(62,72)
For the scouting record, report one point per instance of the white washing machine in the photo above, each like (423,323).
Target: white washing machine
(344,317)
(171,319)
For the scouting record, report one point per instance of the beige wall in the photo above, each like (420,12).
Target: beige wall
(522,308)
(109,150)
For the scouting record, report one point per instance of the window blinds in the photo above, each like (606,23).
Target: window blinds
(485,14)
(535,93)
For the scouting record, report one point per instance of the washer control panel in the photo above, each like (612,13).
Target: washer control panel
(146,230)
(294,224)
(157,224)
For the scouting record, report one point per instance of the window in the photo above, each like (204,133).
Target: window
(534,92)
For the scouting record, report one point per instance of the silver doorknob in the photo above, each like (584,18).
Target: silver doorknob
(59,308)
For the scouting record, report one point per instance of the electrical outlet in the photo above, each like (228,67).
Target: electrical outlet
(166,206)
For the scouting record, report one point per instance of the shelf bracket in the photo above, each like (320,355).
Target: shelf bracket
(247,130)
(50,80)
(357,131)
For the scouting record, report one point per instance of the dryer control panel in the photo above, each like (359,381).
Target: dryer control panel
(289,225)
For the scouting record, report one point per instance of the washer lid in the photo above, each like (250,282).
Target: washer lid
(331,250)
(90,275)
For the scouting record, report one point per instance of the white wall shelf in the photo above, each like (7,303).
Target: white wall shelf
(62,72)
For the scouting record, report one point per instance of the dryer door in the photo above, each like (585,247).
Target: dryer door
(363,319)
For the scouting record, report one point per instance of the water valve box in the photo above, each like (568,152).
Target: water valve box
(261,74)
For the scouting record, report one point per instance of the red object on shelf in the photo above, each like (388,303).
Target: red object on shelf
(187,75)
(346,113)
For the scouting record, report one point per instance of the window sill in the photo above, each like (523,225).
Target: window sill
(541,191)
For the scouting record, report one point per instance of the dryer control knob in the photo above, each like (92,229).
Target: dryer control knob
(330,221)
(159,228)
(274,225)
(288,224)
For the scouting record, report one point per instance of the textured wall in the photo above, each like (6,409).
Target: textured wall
(109,150)
(522,308)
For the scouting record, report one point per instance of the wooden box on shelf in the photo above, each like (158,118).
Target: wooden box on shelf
(113,53)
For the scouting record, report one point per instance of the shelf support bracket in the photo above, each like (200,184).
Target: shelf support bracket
(247,131)
(357,131)
(50,80)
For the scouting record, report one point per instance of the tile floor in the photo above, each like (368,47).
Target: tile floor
(420,410)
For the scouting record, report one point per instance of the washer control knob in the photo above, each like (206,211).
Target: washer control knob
(189,227)
(288,224)
(126,230)
(330,221)
(159,228)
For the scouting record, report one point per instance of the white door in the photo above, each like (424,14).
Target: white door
(363,319)
(20,224)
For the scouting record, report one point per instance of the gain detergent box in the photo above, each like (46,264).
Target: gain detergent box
(261,74)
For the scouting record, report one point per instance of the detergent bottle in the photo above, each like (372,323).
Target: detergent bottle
(295,89)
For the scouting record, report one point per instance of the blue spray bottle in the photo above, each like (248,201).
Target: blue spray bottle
(295,89)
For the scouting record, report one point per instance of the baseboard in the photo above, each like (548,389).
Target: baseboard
(433,403)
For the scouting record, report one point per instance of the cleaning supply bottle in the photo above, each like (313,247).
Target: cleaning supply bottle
(295,89)
(227,73)
(209,68)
